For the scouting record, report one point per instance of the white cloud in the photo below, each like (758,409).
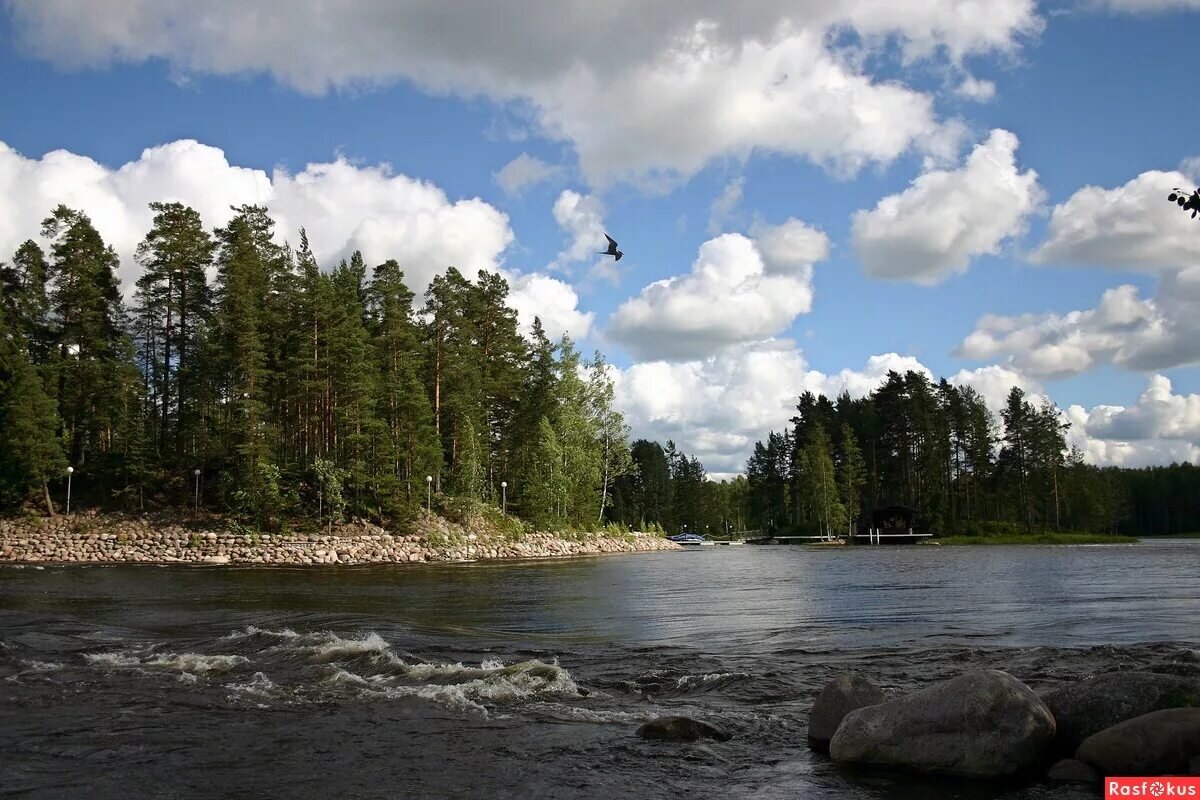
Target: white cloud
(724,205)
(1160,428)
(344,207)
(555,302)
(947,217)
(718,407)
(582,217)
(524,171)
(1129,227)
(993,383)
(972,88)
(735,293)
(640,91)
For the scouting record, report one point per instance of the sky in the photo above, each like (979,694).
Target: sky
(808,193)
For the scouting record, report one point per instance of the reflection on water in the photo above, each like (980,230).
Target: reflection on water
(528,679)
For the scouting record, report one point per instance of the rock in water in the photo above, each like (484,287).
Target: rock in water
(984,724)
(681,729)
(1089,706)
(1159,743)
(840,696)
(1071,771)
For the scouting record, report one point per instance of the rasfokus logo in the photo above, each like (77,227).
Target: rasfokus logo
(1164,787)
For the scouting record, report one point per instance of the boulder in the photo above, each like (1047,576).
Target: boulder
(681,729)
(1070,770)
(840,696)
(984,724)
(1091,705)
(1159,743)
(223,559)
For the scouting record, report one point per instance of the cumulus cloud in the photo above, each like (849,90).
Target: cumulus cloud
(945,218)
(343,206)
(1129,227)
(582,218)
(554,301)
(1160,428)
(524,171)
(692,86)
(972,88)
(1124,329)
(735,293)
(721,405)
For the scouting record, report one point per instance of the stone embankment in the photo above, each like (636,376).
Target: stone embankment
(429,538)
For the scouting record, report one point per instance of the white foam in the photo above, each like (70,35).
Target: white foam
(113,659)
(254,630)
(695,681)
(335,648)
(195,662)
(41,666)
(189,663)
(260,686)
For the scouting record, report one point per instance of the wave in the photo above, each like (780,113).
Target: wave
(192,664)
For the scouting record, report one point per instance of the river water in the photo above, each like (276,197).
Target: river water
(528,679)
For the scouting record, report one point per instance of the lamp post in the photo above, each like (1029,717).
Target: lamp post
(196,472)
(429,493)
(503,497)
(69,471)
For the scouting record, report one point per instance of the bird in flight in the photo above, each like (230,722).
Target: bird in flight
(612,249)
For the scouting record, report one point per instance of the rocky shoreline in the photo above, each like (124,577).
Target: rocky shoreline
(428,539)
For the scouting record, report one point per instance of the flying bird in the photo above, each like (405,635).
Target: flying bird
(612,249)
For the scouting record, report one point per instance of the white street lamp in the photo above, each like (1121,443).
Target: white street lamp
(196,472)
(69,471)
(503,497)
(429,493)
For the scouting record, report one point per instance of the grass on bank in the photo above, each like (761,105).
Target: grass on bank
(1037,538)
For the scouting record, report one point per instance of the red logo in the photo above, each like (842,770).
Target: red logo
(1153,788)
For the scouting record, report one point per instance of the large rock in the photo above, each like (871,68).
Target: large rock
(1159,743)
(1092,705)
(843,694)
(983,724)
(679,729)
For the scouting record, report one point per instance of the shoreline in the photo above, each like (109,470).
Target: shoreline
(111,539)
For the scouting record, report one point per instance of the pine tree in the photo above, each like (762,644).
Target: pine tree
(30,453)
(244,270)
(851,474)
(93,358)
(412,447)
(173,306)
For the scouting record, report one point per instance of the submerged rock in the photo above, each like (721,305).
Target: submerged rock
(681,729)
(1159,743)
(1069,770)
(843,694)
(1094,704)
(984,724)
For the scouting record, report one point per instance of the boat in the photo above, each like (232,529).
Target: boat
(688,538)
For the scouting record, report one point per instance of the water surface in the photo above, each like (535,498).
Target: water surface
(529,679)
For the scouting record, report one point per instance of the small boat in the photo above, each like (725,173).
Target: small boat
(688,538)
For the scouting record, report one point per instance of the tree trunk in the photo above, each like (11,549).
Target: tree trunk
(49,502)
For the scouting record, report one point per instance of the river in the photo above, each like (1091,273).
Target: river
(528,679)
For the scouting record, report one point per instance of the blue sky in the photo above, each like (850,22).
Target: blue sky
(864,186)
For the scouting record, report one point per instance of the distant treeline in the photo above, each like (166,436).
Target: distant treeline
(281,390)
(937,448)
